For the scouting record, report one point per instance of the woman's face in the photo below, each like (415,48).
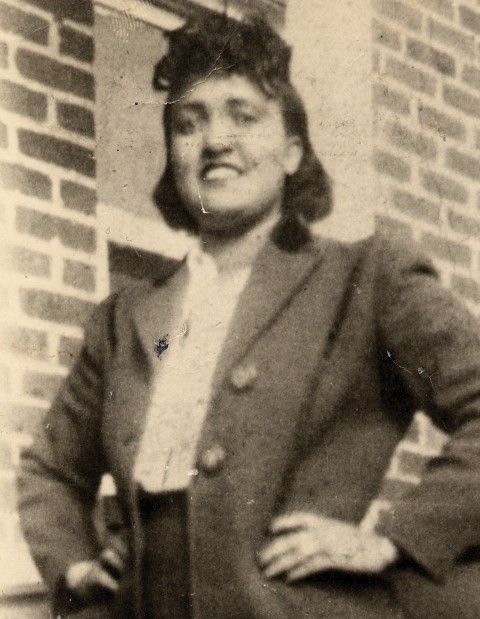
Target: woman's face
(230,152)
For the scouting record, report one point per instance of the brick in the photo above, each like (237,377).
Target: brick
(466,287)
(76,44)
(442,7)
(464,225)
(457,40)
(25,341)
(386,36)
(48,227)
(41,385)
(392,227)
(80,11)
(391,165)
(30,262)
(22,100)
(470,19)
(391,99)
(79,275)
(3,55)
(57,151)
(416,207)
(461,100)
(441,123)
(55,307)
(76,118)
(27,181)
(443,187)
(28,26)
(78,197)
(68,350)
(442,248)
(3,136)
(411,76)
(434,58)
(411,141)
(464,164)
(400,12)
(471,76)
(55,74)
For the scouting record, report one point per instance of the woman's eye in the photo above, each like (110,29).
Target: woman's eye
(185,125)
(245,118)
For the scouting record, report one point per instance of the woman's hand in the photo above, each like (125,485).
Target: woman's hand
(86,579)
(306,543)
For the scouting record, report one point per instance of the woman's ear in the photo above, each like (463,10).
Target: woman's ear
(293,154)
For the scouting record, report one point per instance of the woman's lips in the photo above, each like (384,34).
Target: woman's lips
(220,172)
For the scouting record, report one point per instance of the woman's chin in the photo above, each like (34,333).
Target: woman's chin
(228,223)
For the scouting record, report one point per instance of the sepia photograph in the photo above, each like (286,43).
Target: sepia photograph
(240,296)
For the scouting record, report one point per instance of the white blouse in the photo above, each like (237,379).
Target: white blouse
(182,381)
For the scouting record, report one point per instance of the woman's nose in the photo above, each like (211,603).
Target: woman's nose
(217,137)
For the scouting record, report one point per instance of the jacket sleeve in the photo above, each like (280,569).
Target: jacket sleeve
(60,473)
(433,342)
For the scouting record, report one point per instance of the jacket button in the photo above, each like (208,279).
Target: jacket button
(212,459)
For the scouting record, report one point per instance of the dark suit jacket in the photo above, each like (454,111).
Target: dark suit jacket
(345,342)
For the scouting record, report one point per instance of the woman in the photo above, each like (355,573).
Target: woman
(248,404)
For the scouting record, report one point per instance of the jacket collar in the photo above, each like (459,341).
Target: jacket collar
(275,277)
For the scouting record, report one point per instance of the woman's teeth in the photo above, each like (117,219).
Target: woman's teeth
(220,173)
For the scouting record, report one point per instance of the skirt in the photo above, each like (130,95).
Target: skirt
(166,572)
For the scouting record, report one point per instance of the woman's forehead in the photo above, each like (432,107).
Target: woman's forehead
(221,89)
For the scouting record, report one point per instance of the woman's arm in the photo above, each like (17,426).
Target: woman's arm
(60,473)
(433,342)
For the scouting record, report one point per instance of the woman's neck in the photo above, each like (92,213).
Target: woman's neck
(233,253)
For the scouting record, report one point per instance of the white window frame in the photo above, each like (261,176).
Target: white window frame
(157,15)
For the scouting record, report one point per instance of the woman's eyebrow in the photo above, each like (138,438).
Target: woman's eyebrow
(233,103)
(239,102)
(192,106)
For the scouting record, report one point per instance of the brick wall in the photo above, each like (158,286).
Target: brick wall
(55,258)
(426,95)
(427,105)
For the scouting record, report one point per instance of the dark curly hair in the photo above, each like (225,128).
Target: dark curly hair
(253,49)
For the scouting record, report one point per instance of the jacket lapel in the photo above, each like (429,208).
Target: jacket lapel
(276,277)
(156,311)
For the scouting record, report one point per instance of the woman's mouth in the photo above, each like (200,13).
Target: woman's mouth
(220,172)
